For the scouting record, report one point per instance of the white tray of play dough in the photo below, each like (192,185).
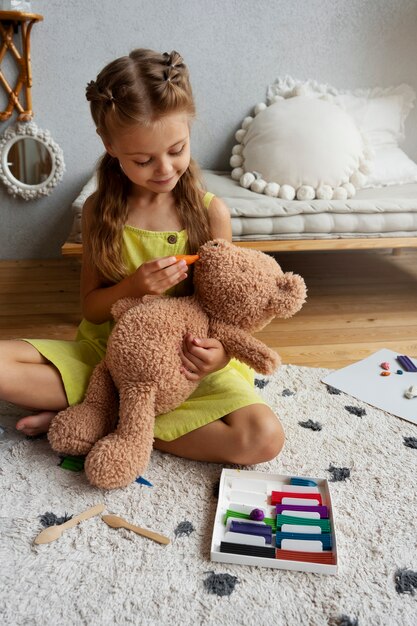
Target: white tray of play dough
(304,535)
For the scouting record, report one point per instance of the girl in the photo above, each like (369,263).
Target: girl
(149,206)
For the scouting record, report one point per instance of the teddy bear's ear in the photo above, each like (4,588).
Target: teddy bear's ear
(120,307)
(290,295)
(213,243)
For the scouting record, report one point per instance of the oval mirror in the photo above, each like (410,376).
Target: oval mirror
(31,163)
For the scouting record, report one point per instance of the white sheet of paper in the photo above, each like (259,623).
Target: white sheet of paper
(363,381)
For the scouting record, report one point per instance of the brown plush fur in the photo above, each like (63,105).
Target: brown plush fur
(237,292)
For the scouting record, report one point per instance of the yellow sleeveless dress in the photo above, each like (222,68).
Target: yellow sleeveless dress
(217,395)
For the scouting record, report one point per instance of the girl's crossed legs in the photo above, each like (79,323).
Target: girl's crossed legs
(246,436)
(28,380)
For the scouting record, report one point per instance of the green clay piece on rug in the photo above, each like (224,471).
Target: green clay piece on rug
(303,521)
(73,463)
(268,520)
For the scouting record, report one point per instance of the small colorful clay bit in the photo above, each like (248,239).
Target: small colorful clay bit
(399,372)
(257,515)
(142,481)
(385,373)
(385,365)
(72,463)
(411,392)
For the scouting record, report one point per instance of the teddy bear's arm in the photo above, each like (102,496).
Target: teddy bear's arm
(120,307)
(245,348)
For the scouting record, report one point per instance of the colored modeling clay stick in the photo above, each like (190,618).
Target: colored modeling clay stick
(290,489)
(325,538)
(322,510)
(271,521)
(328,558)
(303,482)
(406,363)
(263,530)
(188,258)
(304,521)
(276,496)
(238,548)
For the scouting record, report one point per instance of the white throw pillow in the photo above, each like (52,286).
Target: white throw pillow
(301,147)
(379,113)
(391,166)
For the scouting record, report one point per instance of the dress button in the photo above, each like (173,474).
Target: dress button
(172,239)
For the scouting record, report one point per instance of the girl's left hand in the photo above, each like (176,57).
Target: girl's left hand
(201,357)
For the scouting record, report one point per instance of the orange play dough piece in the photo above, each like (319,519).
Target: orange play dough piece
(188,258)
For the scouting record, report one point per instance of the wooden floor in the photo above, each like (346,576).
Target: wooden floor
(358,302)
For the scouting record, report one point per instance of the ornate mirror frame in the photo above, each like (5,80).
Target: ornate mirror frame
(16,187)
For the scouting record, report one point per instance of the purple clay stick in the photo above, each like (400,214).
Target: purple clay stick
(406,363)
(252,529)
(322,510)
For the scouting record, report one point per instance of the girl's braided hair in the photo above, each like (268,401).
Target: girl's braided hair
(139,89)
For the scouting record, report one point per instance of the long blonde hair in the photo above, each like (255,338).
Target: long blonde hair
(139,89)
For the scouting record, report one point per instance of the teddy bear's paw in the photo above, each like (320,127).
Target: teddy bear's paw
(116,462)
(75,431)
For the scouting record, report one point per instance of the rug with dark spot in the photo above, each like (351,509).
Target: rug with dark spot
(95,574)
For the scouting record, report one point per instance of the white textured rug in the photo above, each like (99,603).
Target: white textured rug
(97,575)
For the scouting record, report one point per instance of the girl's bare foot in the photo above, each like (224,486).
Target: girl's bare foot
(37,424)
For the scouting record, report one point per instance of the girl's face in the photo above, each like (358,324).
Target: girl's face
(153,157)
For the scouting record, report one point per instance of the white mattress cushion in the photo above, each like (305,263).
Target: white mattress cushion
(382,211)
(379,212)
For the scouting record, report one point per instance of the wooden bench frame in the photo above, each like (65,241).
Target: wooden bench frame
(297,245)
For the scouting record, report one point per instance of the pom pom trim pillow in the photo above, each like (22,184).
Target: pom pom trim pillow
(301,148)
(379,113)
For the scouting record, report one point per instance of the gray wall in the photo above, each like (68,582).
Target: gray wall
(234,50)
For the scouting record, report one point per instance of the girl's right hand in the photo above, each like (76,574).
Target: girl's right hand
(156,276)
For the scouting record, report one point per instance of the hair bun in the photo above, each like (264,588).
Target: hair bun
(175,66)
(91,90)
(173,59)
(93,93)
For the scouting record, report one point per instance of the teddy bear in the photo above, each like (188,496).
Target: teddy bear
(237,292)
